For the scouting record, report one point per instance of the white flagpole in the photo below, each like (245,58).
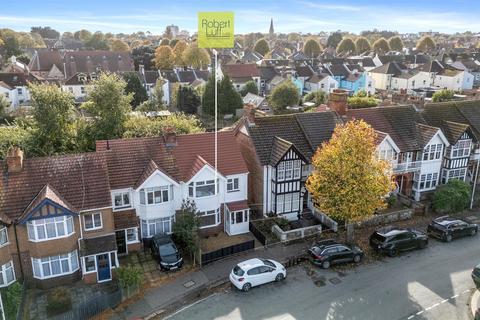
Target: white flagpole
(216,115)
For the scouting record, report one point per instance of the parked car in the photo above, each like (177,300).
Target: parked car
(447,228)
(392,240)
(328,252)
(476,276)
(254,272)
(166,252)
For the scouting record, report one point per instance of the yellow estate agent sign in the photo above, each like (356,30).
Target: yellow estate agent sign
(215,30)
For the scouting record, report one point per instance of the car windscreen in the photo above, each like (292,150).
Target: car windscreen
(238,271)
(167,249)
(268,263)
(379,237)
(440,225)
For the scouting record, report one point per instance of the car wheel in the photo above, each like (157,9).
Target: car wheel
(279,277)
(357,258)
(393,252)
(448,238)
(473,232)
(422,244)
(326,265)
(246,287)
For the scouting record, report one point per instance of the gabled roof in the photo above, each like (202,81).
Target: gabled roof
(44,59)
(426,133)
(304,71)
(88,61)
(393,68)
(434,66)
(400,122)
(279,148)
(150,168)
(239,70)
(454,130)
(16,79)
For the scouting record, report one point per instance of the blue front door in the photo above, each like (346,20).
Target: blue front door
(103,267)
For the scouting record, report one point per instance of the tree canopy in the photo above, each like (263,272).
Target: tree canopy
(164,57)
(312,48)
(361,100)
(395,43)
(135,87)
(381,46)
(346,46)
(261,46)
(251,87)
(452,197)
(443,95)
(318,97)
(178,51)
(362,45)
(334,39)
(284,95)
(187,100)
(228,98)
(196,57)
(119,45)
(349,182)
(142,126)
(426,44)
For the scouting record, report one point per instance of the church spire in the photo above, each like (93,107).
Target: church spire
(271,31)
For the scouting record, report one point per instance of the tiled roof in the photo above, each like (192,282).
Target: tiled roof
(47,192)
(400,122)
(426,133)
(90,246)
(394,68)
(239,70)
(16,79)
(87,61)
(44,59)
(237,205)
(279,148)
(80,180)
(128,158)
(306,131)
(304,71)
(433,66)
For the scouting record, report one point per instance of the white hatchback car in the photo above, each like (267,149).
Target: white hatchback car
(254,272)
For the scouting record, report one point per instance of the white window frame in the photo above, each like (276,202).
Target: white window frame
(281,171)
(72,262)
(7,267)
(146,225)
(135,230)
(34,225)
(231,182)
(428,181)
(4,235)
(244,214)
(123,205)
(144,195)
(297,166)
(207,213)
(113,261)
(456,174)
(461,149)
(95,227)
(84,264)
(193,186)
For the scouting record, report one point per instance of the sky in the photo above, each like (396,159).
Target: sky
(305,16)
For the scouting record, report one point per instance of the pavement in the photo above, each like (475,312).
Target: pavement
(187,286)
(475,303)
(434,283)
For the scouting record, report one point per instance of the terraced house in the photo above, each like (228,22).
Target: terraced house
(67,218)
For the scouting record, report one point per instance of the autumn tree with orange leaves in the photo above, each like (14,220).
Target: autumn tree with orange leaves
(349,182)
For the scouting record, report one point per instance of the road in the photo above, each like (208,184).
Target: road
(433,283)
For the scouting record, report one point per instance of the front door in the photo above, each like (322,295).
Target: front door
(103,267)
(121,242)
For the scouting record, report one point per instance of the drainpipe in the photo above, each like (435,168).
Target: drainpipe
(18,251)
(474,184)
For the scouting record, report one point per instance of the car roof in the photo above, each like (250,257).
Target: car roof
(391,231)
(162,239)
(251,263)
(325,244)
(447,220)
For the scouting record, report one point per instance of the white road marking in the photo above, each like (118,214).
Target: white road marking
(411,317)
(443,301)
(419,312)
(455,296)
(437,304)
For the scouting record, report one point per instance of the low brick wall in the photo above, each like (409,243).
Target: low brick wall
(325,220)
(386,218)
(285,236)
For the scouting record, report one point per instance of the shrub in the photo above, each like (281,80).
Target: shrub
(129,276)
(58,301)
(391,200)
(12,298)
(452,197)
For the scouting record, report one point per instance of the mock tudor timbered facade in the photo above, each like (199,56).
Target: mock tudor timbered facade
(457,157)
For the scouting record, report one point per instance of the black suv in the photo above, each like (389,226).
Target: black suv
(166,252)
(447,228)
(329,252)
(476,276)
(392,240)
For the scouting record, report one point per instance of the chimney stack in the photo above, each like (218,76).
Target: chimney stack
(14,160)
(337,101)
(249,113)
(170,137)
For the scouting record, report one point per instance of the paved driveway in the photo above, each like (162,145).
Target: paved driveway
(433,283)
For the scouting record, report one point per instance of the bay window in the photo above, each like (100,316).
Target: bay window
(288,170)
(50,228)
(154,195)
(432,152)
(201,189)
(461,149)
(232,185)
(7,274)
(156,226)
(428,181)
(288,202)
(209,218)
(55,266)
(121,200)
(92,221)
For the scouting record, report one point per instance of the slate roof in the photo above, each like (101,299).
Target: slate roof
(434,66)
(304,71)
(279,148)
(400,122)
(339,70)
(16,79)
(394,68)
(305,131)
(81,180)
(90,246)
(239,70)
(44,59)
(88,61)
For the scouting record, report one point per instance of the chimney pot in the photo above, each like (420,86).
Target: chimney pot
(14,160)
(337,101)
(170,137)
(249,112)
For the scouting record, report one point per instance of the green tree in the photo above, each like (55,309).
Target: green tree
(109,106)
(141,126)
(15,135)
(395,43)
(294,37)
(46,32)
(143,55)
(334,39)
(318,97)
(228,98)
(82,35)
(348,181)
(452,197)
(53,112)
(67,35)
(119,45)
(443,95)
(4,105)
(284,95)
(164,57)
(130,278)
(155,103)
(362,45)
(261,46)
(185,228)
(312,48)
(346,46)
(195,57)
(38,41)
(97,41)
(164,42)
(426,44)
(381,46)
(251,87)
(361,100)
(135,86)
(187,100)
(178,51)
